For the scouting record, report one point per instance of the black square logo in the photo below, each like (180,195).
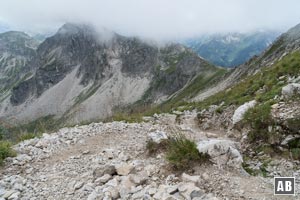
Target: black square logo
(284,185)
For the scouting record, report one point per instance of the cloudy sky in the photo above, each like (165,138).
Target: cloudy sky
(157,19)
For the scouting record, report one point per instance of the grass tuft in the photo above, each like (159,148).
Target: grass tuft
(182,153)
(27,136)
(259,119)
(130,118)
(6,151)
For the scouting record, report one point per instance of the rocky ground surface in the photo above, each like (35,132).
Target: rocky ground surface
(109,161)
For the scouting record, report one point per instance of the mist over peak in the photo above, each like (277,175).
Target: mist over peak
(153,20)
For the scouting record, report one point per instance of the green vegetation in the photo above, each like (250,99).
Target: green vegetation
(293,124)
(178,101)
(294,147)
(295,153)
(12,135)
(27,136)
(263,86)
(5,146)
(199,83)
(130,118)
(34,128)
(172,60)
(259,119)
(294,144)
(181,152)
(3,132)
(5,151)
(171,69)
(277,46)
(262,170)
(85,95)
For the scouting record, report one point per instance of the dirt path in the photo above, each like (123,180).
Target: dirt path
(66,169)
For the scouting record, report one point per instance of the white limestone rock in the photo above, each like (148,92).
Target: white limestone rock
(291,90)
(240,111)
(221,152)
(157,136)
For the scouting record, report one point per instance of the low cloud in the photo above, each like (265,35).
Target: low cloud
(154,19)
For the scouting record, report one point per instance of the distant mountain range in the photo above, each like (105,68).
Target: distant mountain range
(232,49)
(80,74)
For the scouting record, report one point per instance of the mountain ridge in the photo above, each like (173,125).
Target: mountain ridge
(231,49)
(104,74)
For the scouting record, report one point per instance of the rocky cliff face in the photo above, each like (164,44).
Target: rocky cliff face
(82,74)
(16,49)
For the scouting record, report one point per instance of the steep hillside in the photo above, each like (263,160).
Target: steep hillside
(231,49)
(259,104)
(16,49)
(249,131)
(285,44)
(83,74)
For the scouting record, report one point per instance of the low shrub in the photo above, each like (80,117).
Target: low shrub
(295,153)
(6,151)
(182,153)
(259,119)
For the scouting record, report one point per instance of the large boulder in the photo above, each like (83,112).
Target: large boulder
(222,152)
(290,90)
(240,111)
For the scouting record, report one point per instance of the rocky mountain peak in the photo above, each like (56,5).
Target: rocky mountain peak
(17,42)
(13,35)
(101,35)
(104,67)
(16,49)
(71,28)
(293,34)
